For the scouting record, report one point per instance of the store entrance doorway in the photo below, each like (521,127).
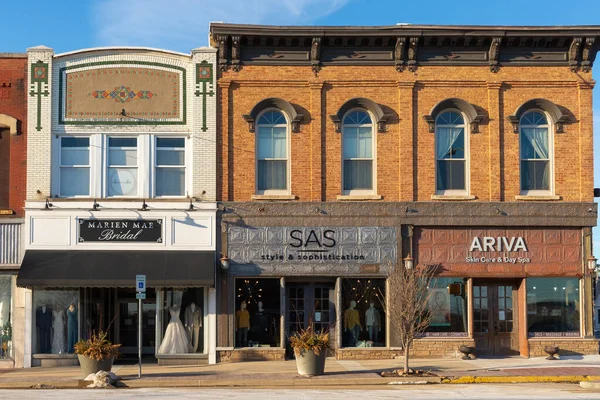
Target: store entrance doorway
(310,303)
(495,321)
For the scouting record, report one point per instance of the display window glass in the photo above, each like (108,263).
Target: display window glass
(553,307)
(6,348)
(363,315)
(448,301)
(257,312)
(182,314)
(55,321)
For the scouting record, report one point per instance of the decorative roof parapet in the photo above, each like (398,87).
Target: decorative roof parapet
(404,46)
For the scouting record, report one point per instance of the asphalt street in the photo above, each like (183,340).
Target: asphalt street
(447,392)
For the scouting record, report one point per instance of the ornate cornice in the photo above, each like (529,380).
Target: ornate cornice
(405,46)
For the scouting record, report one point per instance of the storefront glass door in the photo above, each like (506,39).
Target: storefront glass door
(494,318)
(127,326)
(310,303)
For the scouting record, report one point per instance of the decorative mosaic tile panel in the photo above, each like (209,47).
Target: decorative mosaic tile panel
(122,93)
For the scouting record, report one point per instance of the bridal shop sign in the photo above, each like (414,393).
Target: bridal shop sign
(120,230)
(309,245)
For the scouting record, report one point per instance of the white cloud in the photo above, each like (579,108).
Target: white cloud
(183,24)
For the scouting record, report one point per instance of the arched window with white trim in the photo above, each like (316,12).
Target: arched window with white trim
(272,153)
(535,144)
(451,172)
(358,148)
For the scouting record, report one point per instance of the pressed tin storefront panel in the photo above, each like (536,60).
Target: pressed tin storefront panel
(357,245)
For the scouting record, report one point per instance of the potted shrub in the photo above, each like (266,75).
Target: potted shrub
(310,350)
(5,340)
(96,354)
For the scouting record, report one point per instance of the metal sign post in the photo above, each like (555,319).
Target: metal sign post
(140,288)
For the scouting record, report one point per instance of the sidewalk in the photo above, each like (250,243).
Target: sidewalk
(337,373)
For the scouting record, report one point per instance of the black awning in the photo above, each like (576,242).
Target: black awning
(83,268)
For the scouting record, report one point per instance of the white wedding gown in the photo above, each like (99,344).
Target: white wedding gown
(175,340)
(58,326)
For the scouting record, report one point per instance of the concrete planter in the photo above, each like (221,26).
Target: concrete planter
(91,366)
(310,364)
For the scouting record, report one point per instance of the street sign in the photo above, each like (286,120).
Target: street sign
(140,296)
(140,283)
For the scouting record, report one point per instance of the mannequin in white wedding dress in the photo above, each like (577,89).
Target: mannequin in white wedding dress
(58,331)
(176,339)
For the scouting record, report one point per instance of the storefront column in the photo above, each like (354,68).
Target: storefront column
(212,325)
(470,307)
(28,332)
(522,318)
(338,313)
(283,312)
(158,330)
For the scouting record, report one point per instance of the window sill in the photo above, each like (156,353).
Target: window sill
(537,198)
(453,197)
(359,197)
(274,197)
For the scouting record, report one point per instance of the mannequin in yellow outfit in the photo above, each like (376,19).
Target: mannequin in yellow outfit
(242,323)
(352,322)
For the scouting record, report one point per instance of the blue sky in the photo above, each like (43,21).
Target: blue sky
(181,25)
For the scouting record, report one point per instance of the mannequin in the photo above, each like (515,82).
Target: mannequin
(58,331)
(193,323)
(43,320)
(176,339)
(242,323)
(260,325)
(71,328)
(352,322)
(373,322)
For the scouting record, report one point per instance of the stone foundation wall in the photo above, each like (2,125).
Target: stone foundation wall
(425,348)
(568,347)
(250,355)
(372,353)
(448,348)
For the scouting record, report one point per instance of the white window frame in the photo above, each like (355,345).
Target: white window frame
(273,192)
(186,165)
(138,167)
(550,126)
(360,192)
(98,164)
(466,130)
(59,166)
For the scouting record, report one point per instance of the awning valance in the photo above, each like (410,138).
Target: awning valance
(100,268)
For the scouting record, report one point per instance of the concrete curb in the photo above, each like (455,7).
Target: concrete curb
(588,382)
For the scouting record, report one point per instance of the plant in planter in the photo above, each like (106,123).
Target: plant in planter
(96,353)
(310,348)
(5,338)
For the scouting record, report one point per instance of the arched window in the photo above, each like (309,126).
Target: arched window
(451,153)
(272,161)
(536,153)
(357,144)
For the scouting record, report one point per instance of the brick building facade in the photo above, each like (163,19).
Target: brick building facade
(13,165)
(406,142)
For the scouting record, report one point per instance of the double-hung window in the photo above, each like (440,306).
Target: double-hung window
(451,154)
(272,153)
(74,166)
(170,167)
(357,143)
(535,144)
(122,167)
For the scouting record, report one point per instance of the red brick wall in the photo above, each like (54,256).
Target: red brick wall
(405,152)
(13,148)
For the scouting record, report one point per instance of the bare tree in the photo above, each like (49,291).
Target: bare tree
(408,304)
